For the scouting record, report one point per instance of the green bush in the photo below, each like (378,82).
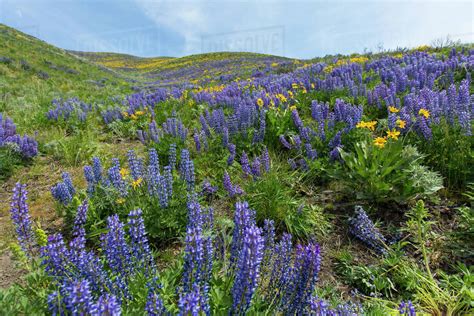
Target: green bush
(391,173)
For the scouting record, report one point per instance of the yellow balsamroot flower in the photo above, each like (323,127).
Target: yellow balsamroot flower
(136,183)
(290,94)
(293,107)
(327,69)
(124,172)
(133,116)
(393,134)
(281,97)
(294,86)
(312,86)
(260,102)
(393,109)
(358,59)
(380,142)
(139,113)
(125,114)
(401,123)
(424,112)
(369,125)
(120,201)
(274,64)
(398,56)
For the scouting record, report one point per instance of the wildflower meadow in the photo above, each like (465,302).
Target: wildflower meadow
(236,183)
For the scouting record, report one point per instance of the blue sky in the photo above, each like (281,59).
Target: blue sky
(301,29)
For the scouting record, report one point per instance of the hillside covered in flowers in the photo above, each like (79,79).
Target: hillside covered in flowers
(235,183)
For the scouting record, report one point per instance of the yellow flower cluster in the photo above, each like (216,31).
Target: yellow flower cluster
(423,48)
(281,97)
(380,142)
(135,115)
(424,112)
(393,109)
(124,172)
(401,123)
(393,134)
(369,125)
(359,60)
(136,183)
(260,102)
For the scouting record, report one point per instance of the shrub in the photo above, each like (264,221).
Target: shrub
(385,174)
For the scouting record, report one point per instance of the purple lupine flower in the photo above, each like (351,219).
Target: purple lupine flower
(244,161)
(80,220)
(61,193)
(191,303)
(232,154)
(336,140)
(108,305)
(297,141)
(228,186)
(97,168)
(292,164)
(311,153)
(266,160)
(423,127)
(187,170)
(256,166)
(78,298)
(115,247)
(269,237)
(194,265)
(135,165)
(281,265)
(154,304)
(321,307)
(21,218)
(116,178)
(26,146)
(407,308)
(172,156)
(225,137)
(304,276)
(204,140)
(164,190)
(335,154)
(68,182)
(90,179)
(243,217)
(208,189)
(55,305)
(139,246)
(168,176)
(303,164)
(247,270)
(284,142)
(296,119)
(361,227)
(185,157)
(153,162)
(197,141)
(55,257)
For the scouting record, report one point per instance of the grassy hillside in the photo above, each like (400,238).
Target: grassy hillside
(32,73)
